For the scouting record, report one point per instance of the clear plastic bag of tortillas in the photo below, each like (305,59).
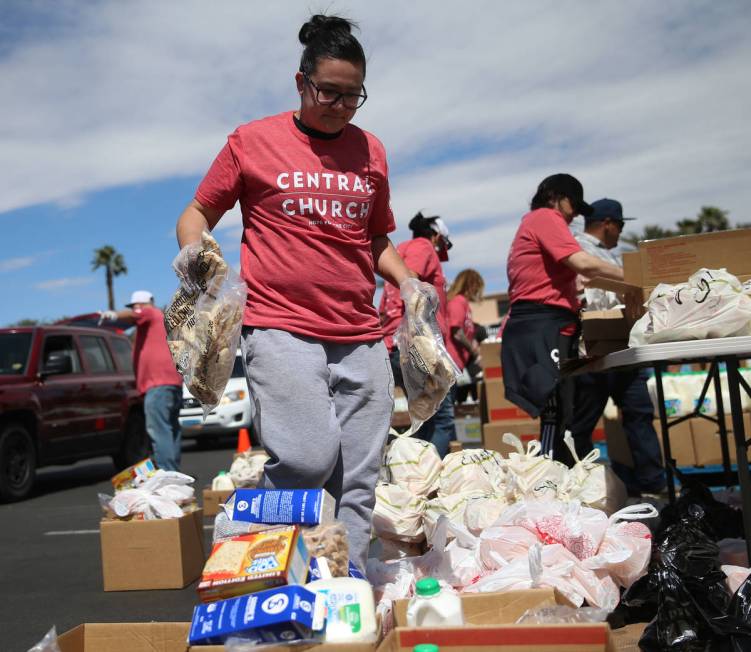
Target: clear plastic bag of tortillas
(427,368)
(203,327)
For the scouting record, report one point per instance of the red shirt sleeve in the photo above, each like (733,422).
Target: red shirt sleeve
(382,219)
(222,185)
(457,313)
(421,259)
(555,237)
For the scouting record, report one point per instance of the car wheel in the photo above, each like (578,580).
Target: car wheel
(136,444)
(18,462)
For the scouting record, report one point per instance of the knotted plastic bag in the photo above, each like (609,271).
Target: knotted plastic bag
(411,463)
(203,327)
(427,368)
(712,303)
(529,474)
(626,546)
(398,514)
(591,483)
(473,469)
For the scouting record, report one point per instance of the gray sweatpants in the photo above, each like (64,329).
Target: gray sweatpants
(322,412)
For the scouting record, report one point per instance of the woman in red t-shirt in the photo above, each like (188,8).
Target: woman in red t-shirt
(423,255)
(314,194)
(467,287)
(543,323)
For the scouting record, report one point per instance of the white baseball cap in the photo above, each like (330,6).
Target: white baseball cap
(140,296)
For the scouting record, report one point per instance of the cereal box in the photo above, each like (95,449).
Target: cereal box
(288,614)
(124,480)
(254,562)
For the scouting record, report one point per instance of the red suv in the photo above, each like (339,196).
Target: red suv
(67,393)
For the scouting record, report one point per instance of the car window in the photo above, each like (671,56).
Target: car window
(96,355)
(123,354)
(14,352)
(237,370)
(61,344)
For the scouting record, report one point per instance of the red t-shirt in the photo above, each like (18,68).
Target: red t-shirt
(460,316)
(152,361)
(535,267)
(420,256)
(310,208)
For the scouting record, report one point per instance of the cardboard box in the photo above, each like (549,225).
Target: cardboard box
(492,434)
(468,430)
(490,608)
(213,499)
(495,405)
(706,438)
(158,554)
(605,331)
(681,442)
(167,637)
(490,309)
(673,260)
(125,637)
(490,359)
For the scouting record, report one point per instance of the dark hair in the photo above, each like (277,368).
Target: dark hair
(329,37)
(421,226)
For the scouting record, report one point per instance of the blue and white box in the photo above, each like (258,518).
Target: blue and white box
(288,614)
(275,506)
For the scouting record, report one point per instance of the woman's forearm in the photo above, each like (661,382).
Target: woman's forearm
(388,262)
(195,219)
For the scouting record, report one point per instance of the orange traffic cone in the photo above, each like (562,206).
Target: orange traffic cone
(243,440)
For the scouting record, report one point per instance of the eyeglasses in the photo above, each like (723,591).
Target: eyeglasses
(328,97)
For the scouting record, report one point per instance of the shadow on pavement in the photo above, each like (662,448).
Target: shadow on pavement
(81,474)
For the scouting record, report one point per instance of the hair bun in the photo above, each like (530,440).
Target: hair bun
(417,221)
(320,24)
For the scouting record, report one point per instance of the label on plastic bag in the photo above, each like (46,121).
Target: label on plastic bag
(294,506)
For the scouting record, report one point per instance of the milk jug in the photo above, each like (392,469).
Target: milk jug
(350,609)
(433,606)
(222,482)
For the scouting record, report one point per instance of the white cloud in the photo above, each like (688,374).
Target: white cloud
(12,264)
(64,283)
(643,101)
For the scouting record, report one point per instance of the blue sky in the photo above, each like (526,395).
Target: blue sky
(113,111)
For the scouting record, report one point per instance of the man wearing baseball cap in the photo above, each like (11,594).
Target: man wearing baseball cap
(602,229)
(156,377)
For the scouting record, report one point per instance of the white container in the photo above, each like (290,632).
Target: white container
(350,609)
(222,482)
(433,606)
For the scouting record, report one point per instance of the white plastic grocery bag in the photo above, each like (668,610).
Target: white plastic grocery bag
(592,483)
(398,513)
(411,463)
(473,469)
(712,303)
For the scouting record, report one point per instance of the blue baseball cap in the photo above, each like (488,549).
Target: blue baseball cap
(604,209)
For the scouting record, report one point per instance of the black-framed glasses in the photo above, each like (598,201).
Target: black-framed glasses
(328,97)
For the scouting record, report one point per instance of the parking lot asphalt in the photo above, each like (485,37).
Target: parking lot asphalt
(50,561)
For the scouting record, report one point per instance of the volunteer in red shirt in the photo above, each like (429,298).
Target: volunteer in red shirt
(467,287)
(156,377)
(423,255)
(314,195)
(543,323)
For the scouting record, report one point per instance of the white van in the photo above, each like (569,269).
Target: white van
(232,413)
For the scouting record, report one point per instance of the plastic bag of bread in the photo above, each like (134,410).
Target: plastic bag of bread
(411,463)
(398,514)
(203,326)
(427,368)
(474,469)
(329,540)
(531,475)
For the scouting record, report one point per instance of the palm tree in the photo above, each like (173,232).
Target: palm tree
(114,265)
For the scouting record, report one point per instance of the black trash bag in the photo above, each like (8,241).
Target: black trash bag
(738,621)
(692,598)
(720,520)
(638,603)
